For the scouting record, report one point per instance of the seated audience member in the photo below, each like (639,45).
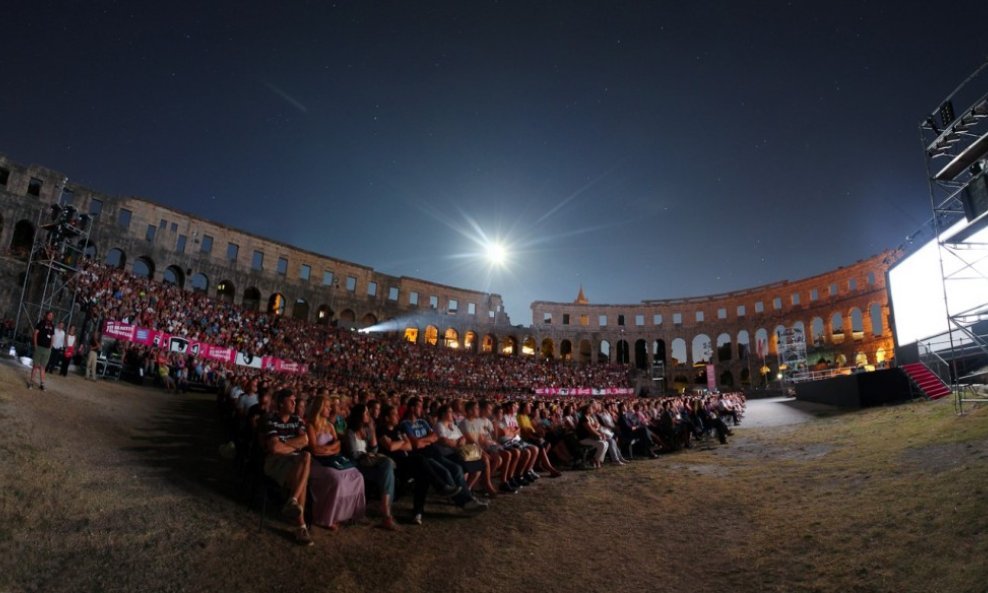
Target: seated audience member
(377,468)
(336,487)
(509,436)
(606,426)
(536,436)
(472,427)
(633,432)
(287,462)
(589,436)
(443,470)
(507,457)
(450,443)
(394,443)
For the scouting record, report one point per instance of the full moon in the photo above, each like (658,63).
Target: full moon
(496,254)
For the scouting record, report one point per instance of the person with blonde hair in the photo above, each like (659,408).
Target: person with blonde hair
(336,487)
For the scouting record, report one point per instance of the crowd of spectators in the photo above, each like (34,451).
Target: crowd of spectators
(380,415)
(340,356)
(347,449)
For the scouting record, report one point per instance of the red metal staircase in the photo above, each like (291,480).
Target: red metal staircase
(926,380)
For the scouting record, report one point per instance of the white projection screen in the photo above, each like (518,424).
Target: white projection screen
(916,287)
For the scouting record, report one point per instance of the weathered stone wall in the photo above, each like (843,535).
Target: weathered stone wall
(312,286)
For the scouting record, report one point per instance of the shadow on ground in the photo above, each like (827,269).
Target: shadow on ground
(182,443)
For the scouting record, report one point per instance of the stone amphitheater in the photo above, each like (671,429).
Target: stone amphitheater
(844,313)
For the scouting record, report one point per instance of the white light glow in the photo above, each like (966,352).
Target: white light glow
(916,288)
(496,254)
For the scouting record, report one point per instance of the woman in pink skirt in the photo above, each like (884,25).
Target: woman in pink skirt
(336,488)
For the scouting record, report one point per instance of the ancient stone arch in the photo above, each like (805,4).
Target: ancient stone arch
(174,275)
(252,299)
(116,258)
(143,267)
(226,291)
(200,283)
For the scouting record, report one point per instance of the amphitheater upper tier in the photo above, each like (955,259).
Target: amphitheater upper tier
(844,312)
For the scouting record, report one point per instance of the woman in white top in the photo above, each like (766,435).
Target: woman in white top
(449,442)
(70,341)
(472,427)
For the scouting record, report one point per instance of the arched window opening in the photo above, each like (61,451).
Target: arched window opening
(252,299)
(276,304)
(300,310)
(200,283)
(226,291)
(877,327)
(641,355)
(566,350)
(116,258)
(724,348)
(324,315)
(174,275)
(143,267)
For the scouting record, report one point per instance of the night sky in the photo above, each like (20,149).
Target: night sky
(642,149)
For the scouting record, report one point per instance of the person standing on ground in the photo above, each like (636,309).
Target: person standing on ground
(95,343)
(57,348)
(44,331)
(70,340)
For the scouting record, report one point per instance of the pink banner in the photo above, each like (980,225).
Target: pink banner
(161,340)
(120,331)
(585,391)
(711,378)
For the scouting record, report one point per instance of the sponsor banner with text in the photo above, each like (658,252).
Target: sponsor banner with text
(162,340)
(585,391)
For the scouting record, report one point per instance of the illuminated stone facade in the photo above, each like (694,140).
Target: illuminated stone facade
(844,314)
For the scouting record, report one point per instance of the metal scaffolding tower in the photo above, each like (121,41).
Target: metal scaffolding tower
(955,144)
(60,243)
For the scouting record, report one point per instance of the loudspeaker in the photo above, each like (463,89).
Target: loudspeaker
(975,197)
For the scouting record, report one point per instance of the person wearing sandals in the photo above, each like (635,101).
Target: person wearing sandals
(287,462)
(377,469)
(336,488)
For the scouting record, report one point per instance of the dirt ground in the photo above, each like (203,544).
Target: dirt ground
(112,487)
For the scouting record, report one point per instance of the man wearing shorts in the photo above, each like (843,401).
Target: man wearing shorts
(43,333)
(287,461)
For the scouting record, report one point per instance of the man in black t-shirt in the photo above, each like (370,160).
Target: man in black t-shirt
(41,340)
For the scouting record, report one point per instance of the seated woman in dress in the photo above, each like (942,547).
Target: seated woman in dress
(336,493)
(377,468)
